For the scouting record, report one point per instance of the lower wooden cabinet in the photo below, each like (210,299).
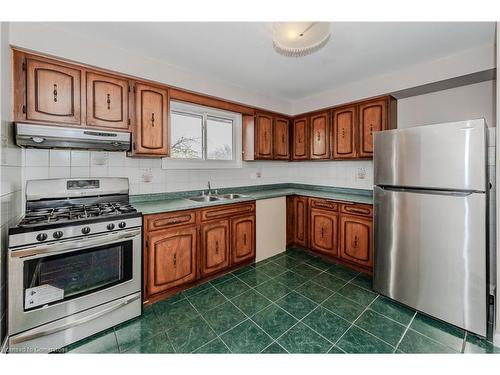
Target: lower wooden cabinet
(184,247)
(356,240)
(300,221)
(323,237)
(214,246)
(242,238)
(171,258)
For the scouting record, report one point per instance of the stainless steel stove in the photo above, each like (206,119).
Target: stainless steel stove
(74,262)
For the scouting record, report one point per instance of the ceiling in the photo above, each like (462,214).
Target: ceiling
(241,53)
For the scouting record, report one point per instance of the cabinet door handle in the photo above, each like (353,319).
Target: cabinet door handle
(216,247)
(318,136)
(282,138)
(342,133)
(175,260)
(55,92)
(244,238)
(371,129)
(153,119)
(355,244)
(108,101)
(322,232)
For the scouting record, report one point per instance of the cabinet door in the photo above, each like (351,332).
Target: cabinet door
(356,240)
(372,117)
(289,220)
(320,136)
(214,246)
(300,149)
(281,140)
(264,137)
(324,231)
(344,133)
(52,92)
(171,258)
(300,224)
(151,125)
(242,238)
(107,101)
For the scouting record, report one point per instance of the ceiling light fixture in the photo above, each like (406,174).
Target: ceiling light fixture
(296,39)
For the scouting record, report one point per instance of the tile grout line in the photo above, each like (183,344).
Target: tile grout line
(404,333)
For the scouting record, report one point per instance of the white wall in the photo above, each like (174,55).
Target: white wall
(497,320)
(460,103)
(10,167)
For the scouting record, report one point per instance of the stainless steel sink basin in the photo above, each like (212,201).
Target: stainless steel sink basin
(204,198)
(232,196)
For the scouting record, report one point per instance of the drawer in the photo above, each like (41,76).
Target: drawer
(227,210)
(324,204)
(170,219)
(357,209)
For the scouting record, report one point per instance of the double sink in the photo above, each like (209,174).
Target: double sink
(214,198)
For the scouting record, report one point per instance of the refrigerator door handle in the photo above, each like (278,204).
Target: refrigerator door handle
(430,191)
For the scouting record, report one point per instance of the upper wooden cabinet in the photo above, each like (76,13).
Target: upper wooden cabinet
(281,138)
(344,132)
(107,101)
(320,135)
(150,137)
(214,246)
(170,258)
(300,139)
(263,136)
(372,117)
(52,92)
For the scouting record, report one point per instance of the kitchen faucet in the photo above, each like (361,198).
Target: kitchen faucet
(209,188)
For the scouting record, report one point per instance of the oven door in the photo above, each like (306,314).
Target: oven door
(51,281)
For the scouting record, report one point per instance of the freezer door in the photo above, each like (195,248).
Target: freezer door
(430,253)
(443,156)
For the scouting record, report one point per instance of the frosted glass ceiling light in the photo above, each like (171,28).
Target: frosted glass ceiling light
(297,39)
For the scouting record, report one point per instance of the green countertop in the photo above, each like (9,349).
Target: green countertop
(157,203)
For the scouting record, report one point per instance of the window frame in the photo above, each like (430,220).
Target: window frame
(205,163)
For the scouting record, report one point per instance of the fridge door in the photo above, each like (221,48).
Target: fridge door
(443,156)
(430,253)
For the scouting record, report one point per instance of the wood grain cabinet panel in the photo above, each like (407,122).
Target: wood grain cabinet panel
(300,148)
(289,220)
(356,240)
(323,231)
(242,238)
(171,258)
(320,136)
(151,133)
(372,117)
(52,92)
(107,101)
(214,246)
(300,221)
(264,136)
(344,133)
(281,139)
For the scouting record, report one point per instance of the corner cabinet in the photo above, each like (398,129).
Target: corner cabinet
(150,137)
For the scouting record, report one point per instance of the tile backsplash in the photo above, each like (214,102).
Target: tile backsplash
(147,176)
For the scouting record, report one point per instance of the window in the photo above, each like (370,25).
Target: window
(203,137)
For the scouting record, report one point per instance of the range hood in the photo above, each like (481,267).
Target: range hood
(41,136)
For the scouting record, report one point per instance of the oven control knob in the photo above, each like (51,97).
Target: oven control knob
(122,224)
(86,230)
(58,234)
(41,236)
(110,226)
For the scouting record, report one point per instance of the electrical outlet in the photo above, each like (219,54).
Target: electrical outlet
(147,175)
(361,173)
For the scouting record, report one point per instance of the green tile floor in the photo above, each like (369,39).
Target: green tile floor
(291,303)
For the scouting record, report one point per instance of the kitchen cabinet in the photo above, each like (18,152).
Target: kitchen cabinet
(289,220)
(300,215)
(107,101)
(171,258)
(214,246)
(52,92)
(183,248)
(320,136)
(300,139)
(323,231)
(372,117)
(281,138)
(150,137)
(242,238)
(344,132)
(356,240)
(265,137)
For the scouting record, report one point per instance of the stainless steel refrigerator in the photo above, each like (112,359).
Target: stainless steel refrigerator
(430,196)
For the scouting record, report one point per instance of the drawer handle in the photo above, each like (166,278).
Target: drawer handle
(357,211)
(325,205)
(55,92)
(108,101)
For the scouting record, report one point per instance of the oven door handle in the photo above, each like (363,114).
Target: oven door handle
(40,331)
(62,247)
